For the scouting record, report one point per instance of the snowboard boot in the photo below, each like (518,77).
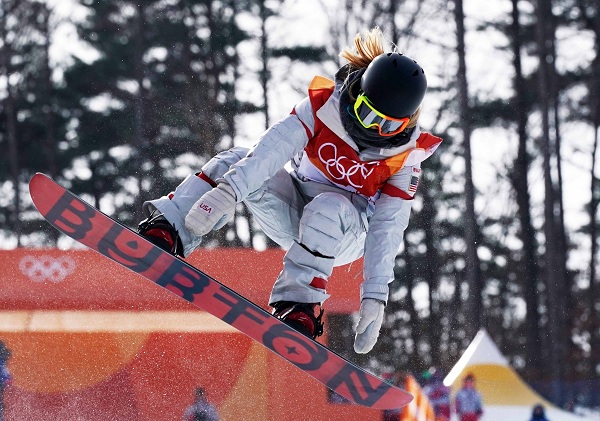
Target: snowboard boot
(159,231)
(301,317)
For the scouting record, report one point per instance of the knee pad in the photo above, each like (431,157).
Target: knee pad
(324,223)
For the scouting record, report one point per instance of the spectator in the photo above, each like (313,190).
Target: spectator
(201,409)
(438,394)
(538,413)
(468,401)
(5,376)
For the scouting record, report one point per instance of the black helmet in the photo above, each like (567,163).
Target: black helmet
(395,84)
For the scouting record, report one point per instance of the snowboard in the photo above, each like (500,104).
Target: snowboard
(82,222)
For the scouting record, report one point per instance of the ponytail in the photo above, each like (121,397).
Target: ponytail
(366,48)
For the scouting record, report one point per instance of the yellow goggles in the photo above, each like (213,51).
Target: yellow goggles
(369,117)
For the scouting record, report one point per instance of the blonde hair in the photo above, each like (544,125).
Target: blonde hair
(366,48)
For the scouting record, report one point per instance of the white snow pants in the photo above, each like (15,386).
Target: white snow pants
(320,226)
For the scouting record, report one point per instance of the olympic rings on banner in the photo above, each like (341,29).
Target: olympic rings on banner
(47,268)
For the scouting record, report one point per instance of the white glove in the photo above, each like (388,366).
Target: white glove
(369,323)
(210,209)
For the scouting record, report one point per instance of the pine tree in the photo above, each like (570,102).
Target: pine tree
(165,81)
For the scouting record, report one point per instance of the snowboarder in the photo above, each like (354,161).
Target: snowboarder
(355,149)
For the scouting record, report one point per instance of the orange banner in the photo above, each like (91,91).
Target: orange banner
(91,340)
(83,279)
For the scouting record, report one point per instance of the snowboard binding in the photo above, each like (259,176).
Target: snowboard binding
(301,317)
(159,231)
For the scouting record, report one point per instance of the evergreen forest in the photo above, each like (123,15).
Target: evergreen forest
(119,100)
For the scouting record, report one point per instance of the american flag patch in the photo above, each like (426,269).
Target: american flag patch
(414,183)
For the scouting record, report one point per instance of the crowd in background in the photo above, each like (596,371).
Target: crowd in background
(467,402)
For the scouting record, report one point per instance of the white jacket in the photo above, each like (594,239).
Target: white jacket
(320,150)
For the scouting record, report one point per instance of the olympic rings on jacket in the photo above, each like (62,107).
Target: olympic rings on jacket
(342,167)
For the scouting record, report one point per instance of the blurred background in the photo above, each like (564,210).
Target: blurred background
(120,100)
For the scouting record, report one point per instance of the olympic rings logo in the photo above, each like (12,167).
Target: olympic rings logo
(47,268)
(344,168)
